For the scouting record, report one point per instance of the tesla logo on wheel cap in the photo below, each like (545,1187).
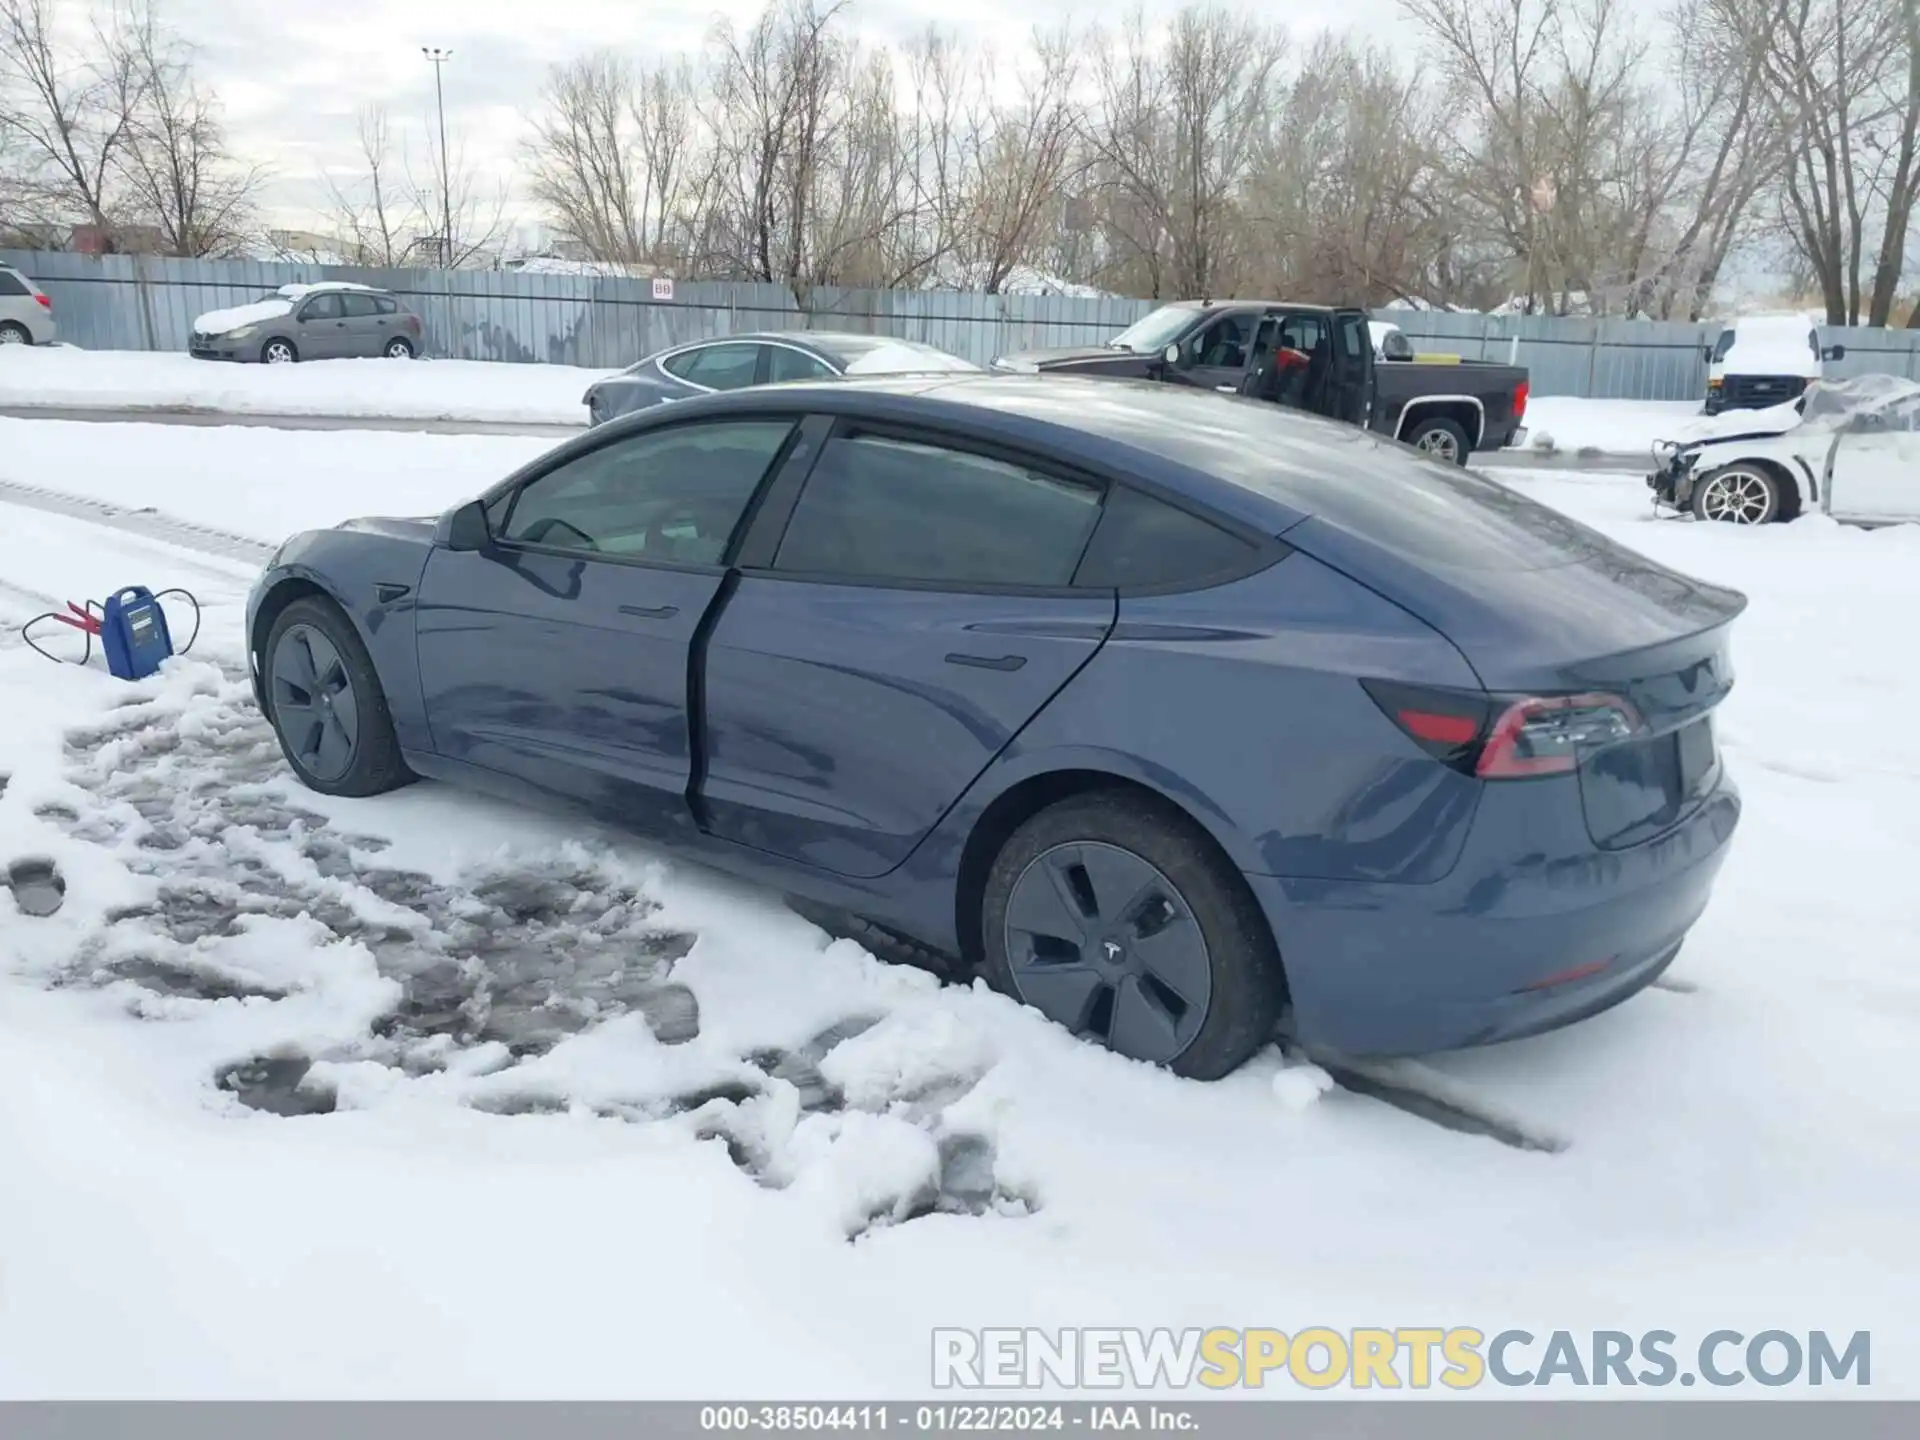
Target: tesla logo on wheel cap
(1113,950)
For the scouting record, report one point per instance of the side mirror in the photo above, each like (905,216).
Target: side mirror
(1834,352)
(1172,356)
(467,527)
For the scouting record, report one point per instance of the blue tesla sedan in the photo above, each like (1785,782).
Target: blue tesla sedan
(1184,720)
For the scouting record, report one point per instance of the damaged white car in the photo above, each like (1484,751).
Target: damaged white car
(1846,448)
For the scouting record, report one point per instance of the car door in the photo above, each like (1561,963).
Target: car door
(558,653)
(366,329)
(1216,356)
(1874,469)
(321,327)
(1350,393)
(907,620)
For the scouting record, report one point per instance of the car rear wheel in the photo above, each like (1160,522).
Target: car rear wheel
(1120,921)
(1737,495)
(1442,439)
(326,705)
(14,334)
(279,352)
(399,349)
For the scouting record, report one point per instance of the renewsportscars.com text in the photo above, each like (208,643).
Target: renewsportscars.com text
(1413,1358)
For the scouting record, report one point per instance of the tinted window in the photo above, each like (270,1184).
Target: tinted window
(386,305)
(322,307)
(785,364)
(11,284)
(883,509)
(1302,332)
(1354,341)
(1143,541)
(672,495)
(359,306)
(717,367)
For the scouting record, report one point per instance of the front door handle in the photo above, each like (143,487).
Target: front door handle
(651,612)
(988,662)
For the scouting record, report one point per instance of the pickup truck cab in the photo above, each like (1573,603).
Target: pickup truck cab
(1314,357)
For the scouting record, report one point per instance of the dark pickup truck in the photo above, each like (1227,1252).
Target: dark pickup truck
(1316,357)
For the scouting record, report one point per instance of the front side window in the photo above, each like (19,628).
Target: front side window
(673,495)
(1224,344)
(715,367)
(1722,346)
(877,508)
(322,307)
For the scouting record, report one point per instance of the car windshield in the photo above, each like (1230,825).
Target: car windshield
(1840,404)
(1152,333)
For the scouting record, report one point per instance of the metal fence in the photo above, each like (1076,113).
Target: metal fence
(124,302)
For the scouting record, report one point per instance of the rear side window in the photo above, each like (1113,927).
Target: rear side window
(385,304)
(1143,542)
(717,367)
(786,364)
(877,508)
(12,284)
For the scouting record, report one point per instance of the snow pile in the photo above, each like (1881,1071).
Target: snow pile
(219,322)
(1772,345)
(903,357)
(1568,424)
(392,389)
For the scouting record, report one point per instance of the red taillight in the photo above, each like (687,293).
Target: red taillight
(1520,393)
(46,302)
(1544,734)
(1503,737)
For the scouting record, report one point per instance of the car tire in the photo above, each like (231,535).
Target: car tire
(1441,439)
(13,333)
(326,705)
(279,352)
(398,349)
(1736,495)
(1226,991)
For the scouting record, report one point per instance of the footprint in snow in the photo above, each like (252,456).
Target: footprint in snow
(37,886)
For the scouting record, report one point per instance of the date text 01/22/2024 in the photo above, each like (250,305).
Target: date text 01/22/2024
(961,1419)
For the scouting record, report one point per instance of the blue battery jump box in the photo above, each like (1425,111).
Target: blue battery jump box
(133,633)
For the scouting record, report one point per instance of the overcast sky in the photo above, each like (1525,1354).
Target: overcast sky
(292,77)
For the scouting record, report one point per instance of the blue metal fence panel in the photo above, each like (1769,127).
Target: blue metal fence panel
(123,302)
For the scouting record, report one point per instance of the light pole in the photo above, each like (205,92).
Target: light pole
(438,57)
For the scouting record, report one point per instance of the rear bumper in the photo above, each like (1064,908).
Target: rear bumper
(1379,969)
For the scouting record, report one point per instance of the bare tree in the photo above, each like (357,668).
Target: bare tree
(454,188)
(1177,135)
(180,175)
(583,156)
(69,119)
(374,211)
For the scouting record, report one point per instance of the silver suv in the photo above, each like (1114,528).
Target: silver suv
(331,320)
(26,314)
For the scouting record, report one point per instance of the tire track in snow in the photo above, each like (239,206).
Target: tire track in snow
(147,522)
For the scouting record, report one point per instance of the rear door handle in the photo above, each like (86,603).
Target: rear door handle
(988,662)
(651,612)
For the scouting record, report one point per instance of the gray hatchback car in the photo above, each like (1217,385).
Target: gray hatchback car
(26,314)
(331,320)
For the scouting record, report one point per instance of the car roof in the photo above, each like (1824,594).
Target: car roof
(1260,463)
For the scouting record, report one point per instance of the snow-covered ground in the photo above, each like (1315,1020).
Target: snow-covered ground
(1570,425)
(62,376)
(572,1118)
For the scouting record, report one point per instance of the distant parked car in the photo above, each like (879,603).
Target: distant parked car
(331,320)
(26,314)
(1847,448)
(736,361)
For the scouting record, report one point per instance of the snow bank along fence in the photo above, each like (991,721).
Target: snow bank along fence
(124,302)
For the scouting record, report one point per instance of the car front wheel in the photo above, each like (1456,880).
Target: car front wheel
(1737,495)
(1118,919)
(279,352)
(326,705)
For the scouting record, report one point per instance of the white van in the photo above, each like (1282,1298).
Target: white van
(1764,360)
